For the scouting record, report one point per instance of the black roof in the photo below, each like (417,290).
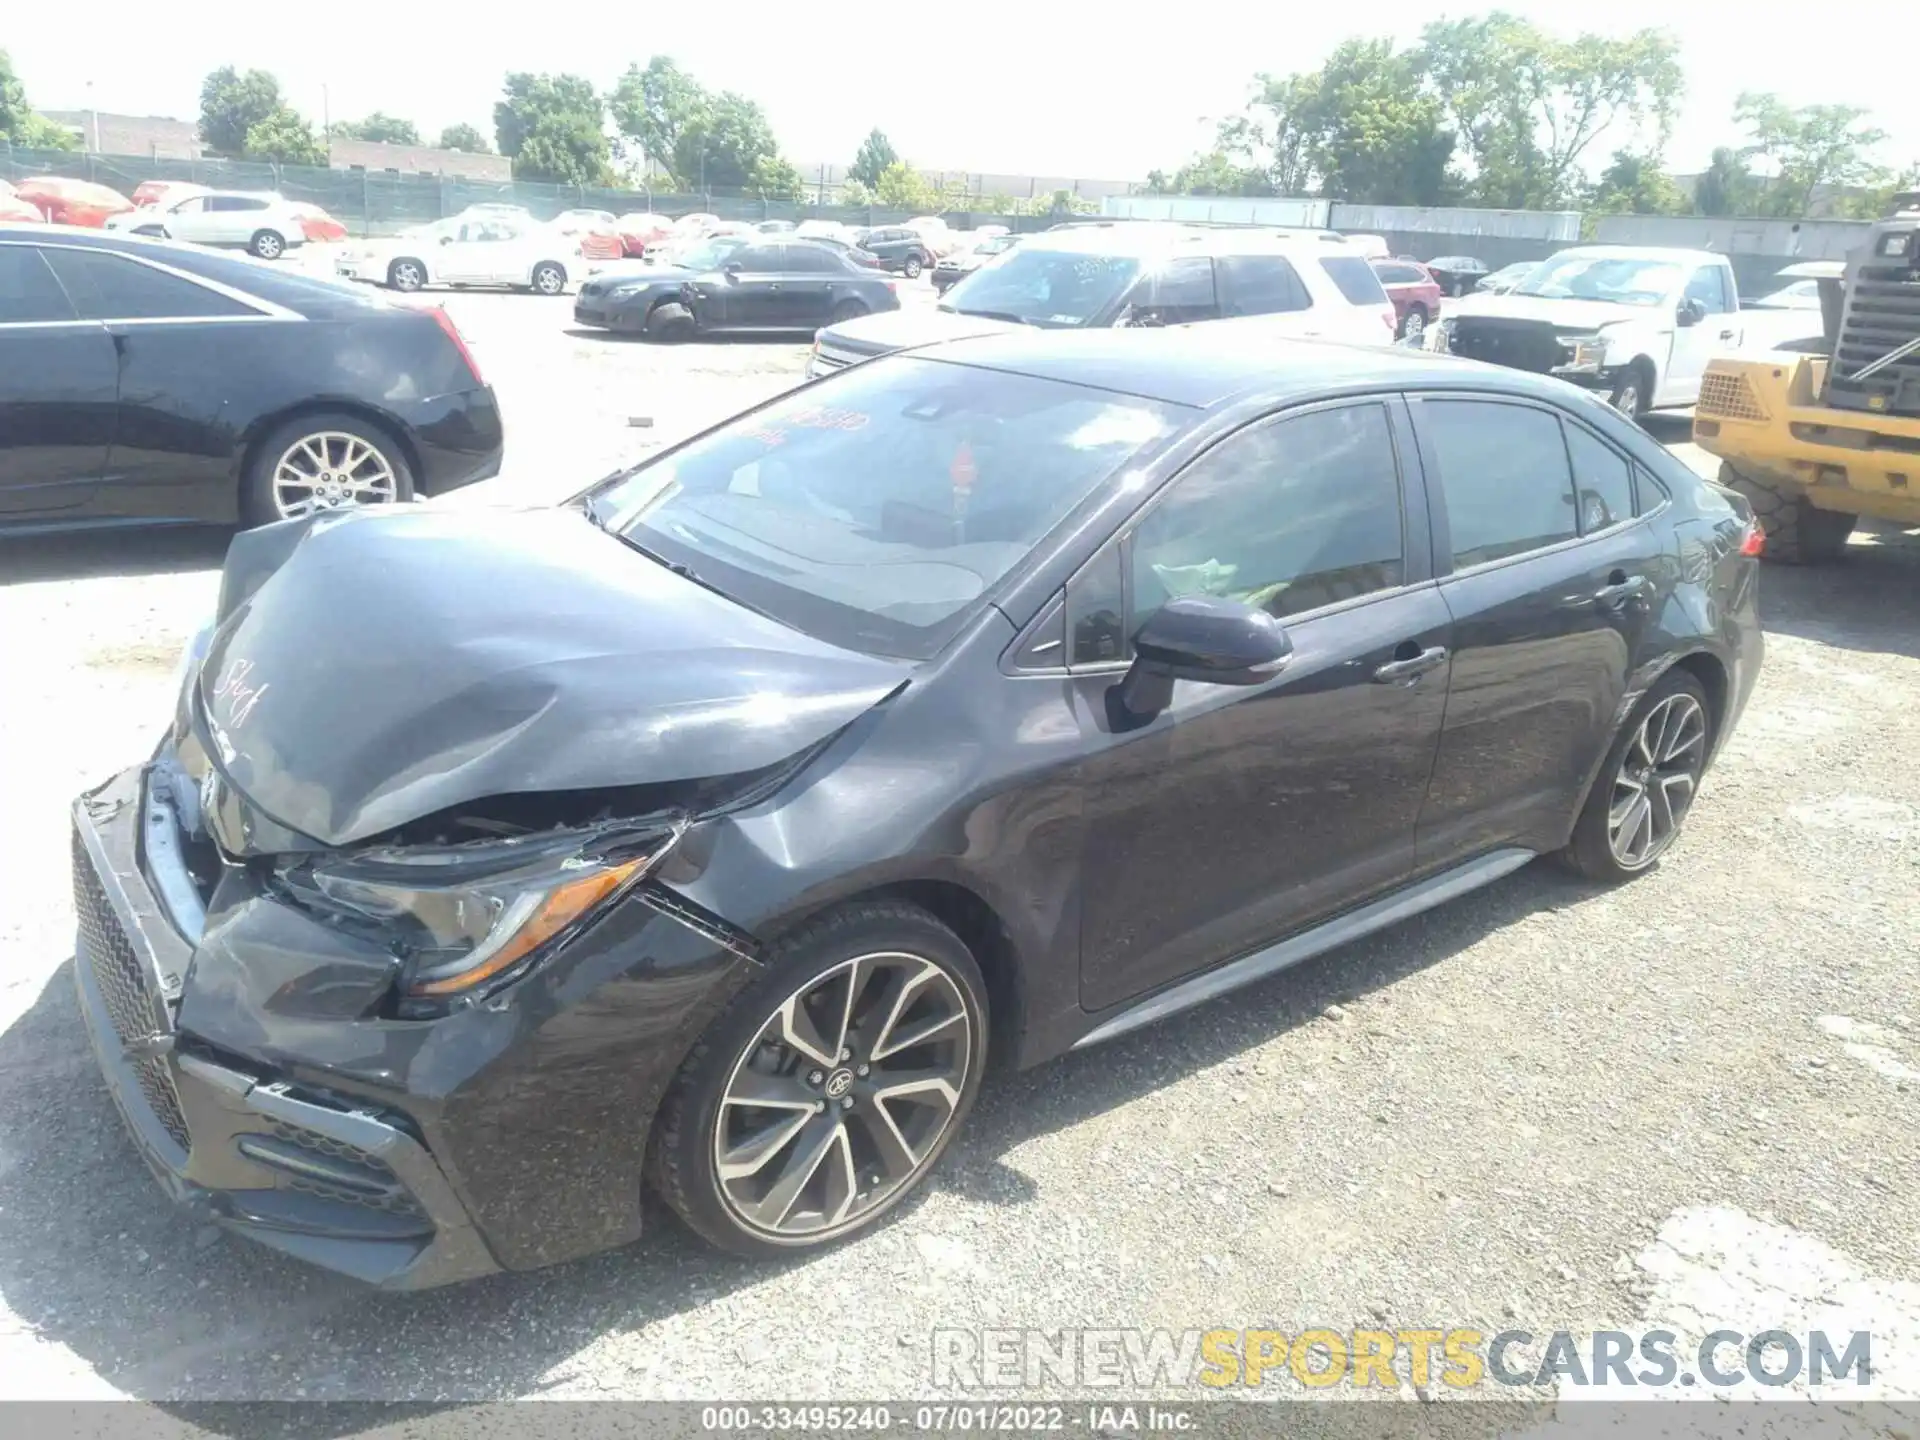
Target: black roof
(1208,365)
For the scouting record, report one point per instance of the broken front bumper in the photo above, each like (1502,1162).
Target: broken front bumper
(347,1186)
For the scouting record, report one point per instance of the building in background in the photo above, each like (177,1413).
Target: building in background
(376,155)
(151,137)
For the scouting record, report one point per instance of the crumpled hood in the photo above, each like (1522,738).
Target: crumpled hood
(1570,314)
(397,663)
(898,329)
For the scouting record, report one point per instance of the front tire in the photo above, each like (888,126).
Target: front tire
(1798,533)
(267,244)
(670,323)
(328,460)
(913,267)
(548,278)
(1647,785)
(828,1090)
(1413,327)
(1632,392)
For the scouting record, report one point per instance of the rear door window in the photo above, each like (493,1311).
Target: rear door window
(1505,477)
(1180,292)
(1355,278)
(1602,481)
(1260,285)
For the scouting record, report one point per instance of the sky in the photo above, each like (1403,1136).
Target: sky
(1043,87)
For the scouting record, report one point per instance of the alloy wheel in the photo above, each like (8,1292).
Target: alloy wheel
(1627,399)
(1415,327)
(267,247)
(549,281)
(842,1098)
(331,470)
(408,276)
(1656,780)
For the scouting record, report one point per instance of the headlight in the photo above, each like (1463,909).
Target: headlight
(1589,352)
(463,916)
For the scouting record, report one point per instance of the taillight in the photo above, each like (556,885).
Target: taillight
(1754,541)
(893,287)
(445,322)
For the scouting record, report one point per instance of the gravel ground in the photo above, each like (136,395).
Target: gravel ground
(1688,1102)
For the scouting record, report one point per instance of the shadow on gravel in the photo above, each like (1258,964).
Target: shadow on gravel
(96,554)
(91,1257)
(1869,601)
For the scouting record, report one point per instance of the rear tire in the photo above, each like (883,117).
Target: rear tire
(670,323)
(548,278)
(1414,326)
(267,244)
(406,274)
(1652,771)
(1798,532)
(352,462)
(919,979)
(848,310)
(913,267)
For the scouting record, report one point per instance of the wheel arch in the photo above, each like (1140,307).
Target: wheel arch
(1705,667)
(963,910)
(270,421)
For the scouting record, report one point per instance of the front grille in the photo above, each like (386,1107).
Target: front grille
(123,987)
(1729,396)
(1517,344)
(1882,314)
(356,1178)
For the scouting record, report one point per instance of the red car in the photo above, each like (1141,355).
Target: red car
(1415,295)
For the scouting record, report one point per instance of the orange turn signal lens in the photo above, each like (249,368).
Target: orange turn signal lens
(560,908)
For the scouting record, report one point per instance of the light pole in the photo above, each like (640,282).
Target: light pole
(93,116)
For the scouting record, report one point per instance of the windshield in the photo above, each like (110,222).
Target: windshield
(879,509)
(1602,277)
(1052,288)
(710,255)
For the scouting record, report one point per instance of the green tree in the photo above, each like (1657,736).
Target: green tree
(876,154)
(1813,148)
(1527,107)
(723,144)
(774,178)
(1726,186)
(464,137)
(231,104)
(553,127)
(286,138)
(1372,133)
(856,195)
(19,125)
(1634,184)
(655,106)
(901,187)
(381,127)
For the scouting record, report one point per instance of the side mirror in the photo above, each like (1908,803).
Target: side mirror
(446,239)
(1201,638)
(1692,312)
(731,270)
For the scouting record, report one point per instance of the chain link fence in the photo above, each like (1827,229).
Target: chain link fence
(373,202)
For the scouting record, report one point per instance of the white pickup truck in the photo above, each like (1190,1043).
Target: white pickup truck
(1637,324)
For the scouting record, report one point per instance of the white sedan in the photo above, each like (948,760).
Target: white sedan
(469,250)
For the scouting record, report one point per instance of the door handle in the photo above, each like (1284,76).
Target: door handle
(1726,334)
(1412,667)
(1619,589)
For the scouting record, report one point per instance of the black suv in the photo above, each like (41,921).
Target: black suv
(898,248)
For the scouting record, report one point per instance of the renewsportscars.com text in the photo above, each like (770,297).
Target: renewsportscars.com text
(1460,1359)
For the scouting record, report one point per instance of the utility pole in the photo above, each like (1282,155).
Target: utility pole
(93,115)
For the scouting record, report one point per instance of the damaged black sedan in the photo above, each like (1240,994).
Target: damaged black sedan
(717,829)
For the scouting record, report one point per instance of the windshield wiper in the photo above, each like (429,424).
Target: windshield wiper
(685,572)
(1006,315)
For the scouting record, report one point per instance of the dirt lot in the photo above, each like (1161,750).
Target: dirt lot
(1544,1106)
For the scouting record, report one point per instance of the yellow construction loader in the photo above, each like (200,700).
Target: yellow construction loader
(1816,440)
